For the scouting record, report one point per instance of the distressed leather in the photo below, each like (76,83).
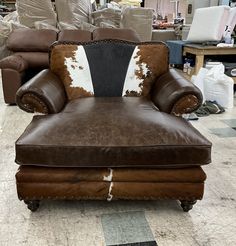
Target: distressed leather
(172,93)
(44,93)
(112,132)
(14,62)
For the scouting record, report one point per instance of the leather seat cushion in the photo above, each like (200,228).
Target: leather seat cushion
(75,36)
(112,132)
(35,59)
(113,33)
(29,40)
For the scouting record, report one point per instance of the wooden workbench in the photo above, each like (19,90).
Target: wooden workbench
(200,51)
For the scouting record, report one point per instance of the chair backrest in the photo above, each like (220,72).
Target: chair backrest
(108,68)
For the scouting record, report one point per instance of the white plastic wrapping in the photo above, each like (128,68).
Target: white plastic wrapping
(7,25)
(140,20)
(74,14)
(109,17)
(198,80)
(130,2)
(219,87)
(44,25)
(31,11)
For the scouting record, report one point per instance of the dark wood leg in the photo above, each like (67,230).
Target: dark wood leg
(187,205)
(32,205)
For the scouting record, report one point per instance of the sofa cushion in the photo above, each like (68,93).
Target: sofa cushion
(75,36)
(108,68)
(31,40)
(112,132)
(35,59)
(112,33)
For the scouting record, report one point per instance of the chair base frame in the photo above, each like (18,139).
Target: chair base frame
(35,184)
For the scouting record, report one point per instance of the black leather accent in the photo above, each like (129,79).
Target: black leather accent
(110,57)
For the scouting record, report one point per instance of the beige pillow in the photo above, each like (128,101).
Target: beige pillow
(31,11)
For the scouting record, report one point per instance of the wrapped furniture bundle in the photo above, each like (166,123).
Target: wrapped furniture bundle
(34,11)
(140,20)
(107,18)
(130,2)
(74,14)
(8,24)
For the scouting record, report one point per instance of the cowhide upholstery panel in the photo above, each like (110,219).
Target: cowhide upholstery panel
(108,68)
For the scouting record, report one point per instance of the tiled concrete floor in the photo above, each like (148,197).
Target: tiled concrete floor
(212,222)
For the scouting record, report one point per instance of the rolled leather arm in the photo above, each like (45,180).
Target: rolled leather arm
(174,94)
(44,93)
(14,62)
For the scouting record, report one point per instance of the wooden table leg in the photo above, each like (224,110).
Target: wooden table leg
(199,63)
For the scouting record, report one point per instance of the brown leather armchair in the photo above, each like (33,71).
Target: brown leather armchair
(111,128)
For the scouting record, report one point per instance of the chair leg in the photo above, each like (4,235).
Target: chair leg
(187,205)
(32,205)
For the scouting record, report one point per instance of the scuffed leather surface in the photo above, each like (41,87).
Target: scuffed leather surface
(112,33)
(44,94)
(39,60)
(11,82)
(168,91)
(75,36)
(29,40)
(15,62)
(112,132)
(37,183)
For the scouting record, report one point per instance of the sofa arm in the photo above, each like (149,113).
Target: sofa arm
(14,62)
(173,94)
(44,93)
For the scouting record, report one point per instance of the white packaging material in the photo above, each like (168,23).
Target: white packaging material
(44,25)
(107,17)
(209,24)
(82,26)
(130,2)
(73,12)
(31,11)
(219,87)
(7,25)
(140,20)
(198,80)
